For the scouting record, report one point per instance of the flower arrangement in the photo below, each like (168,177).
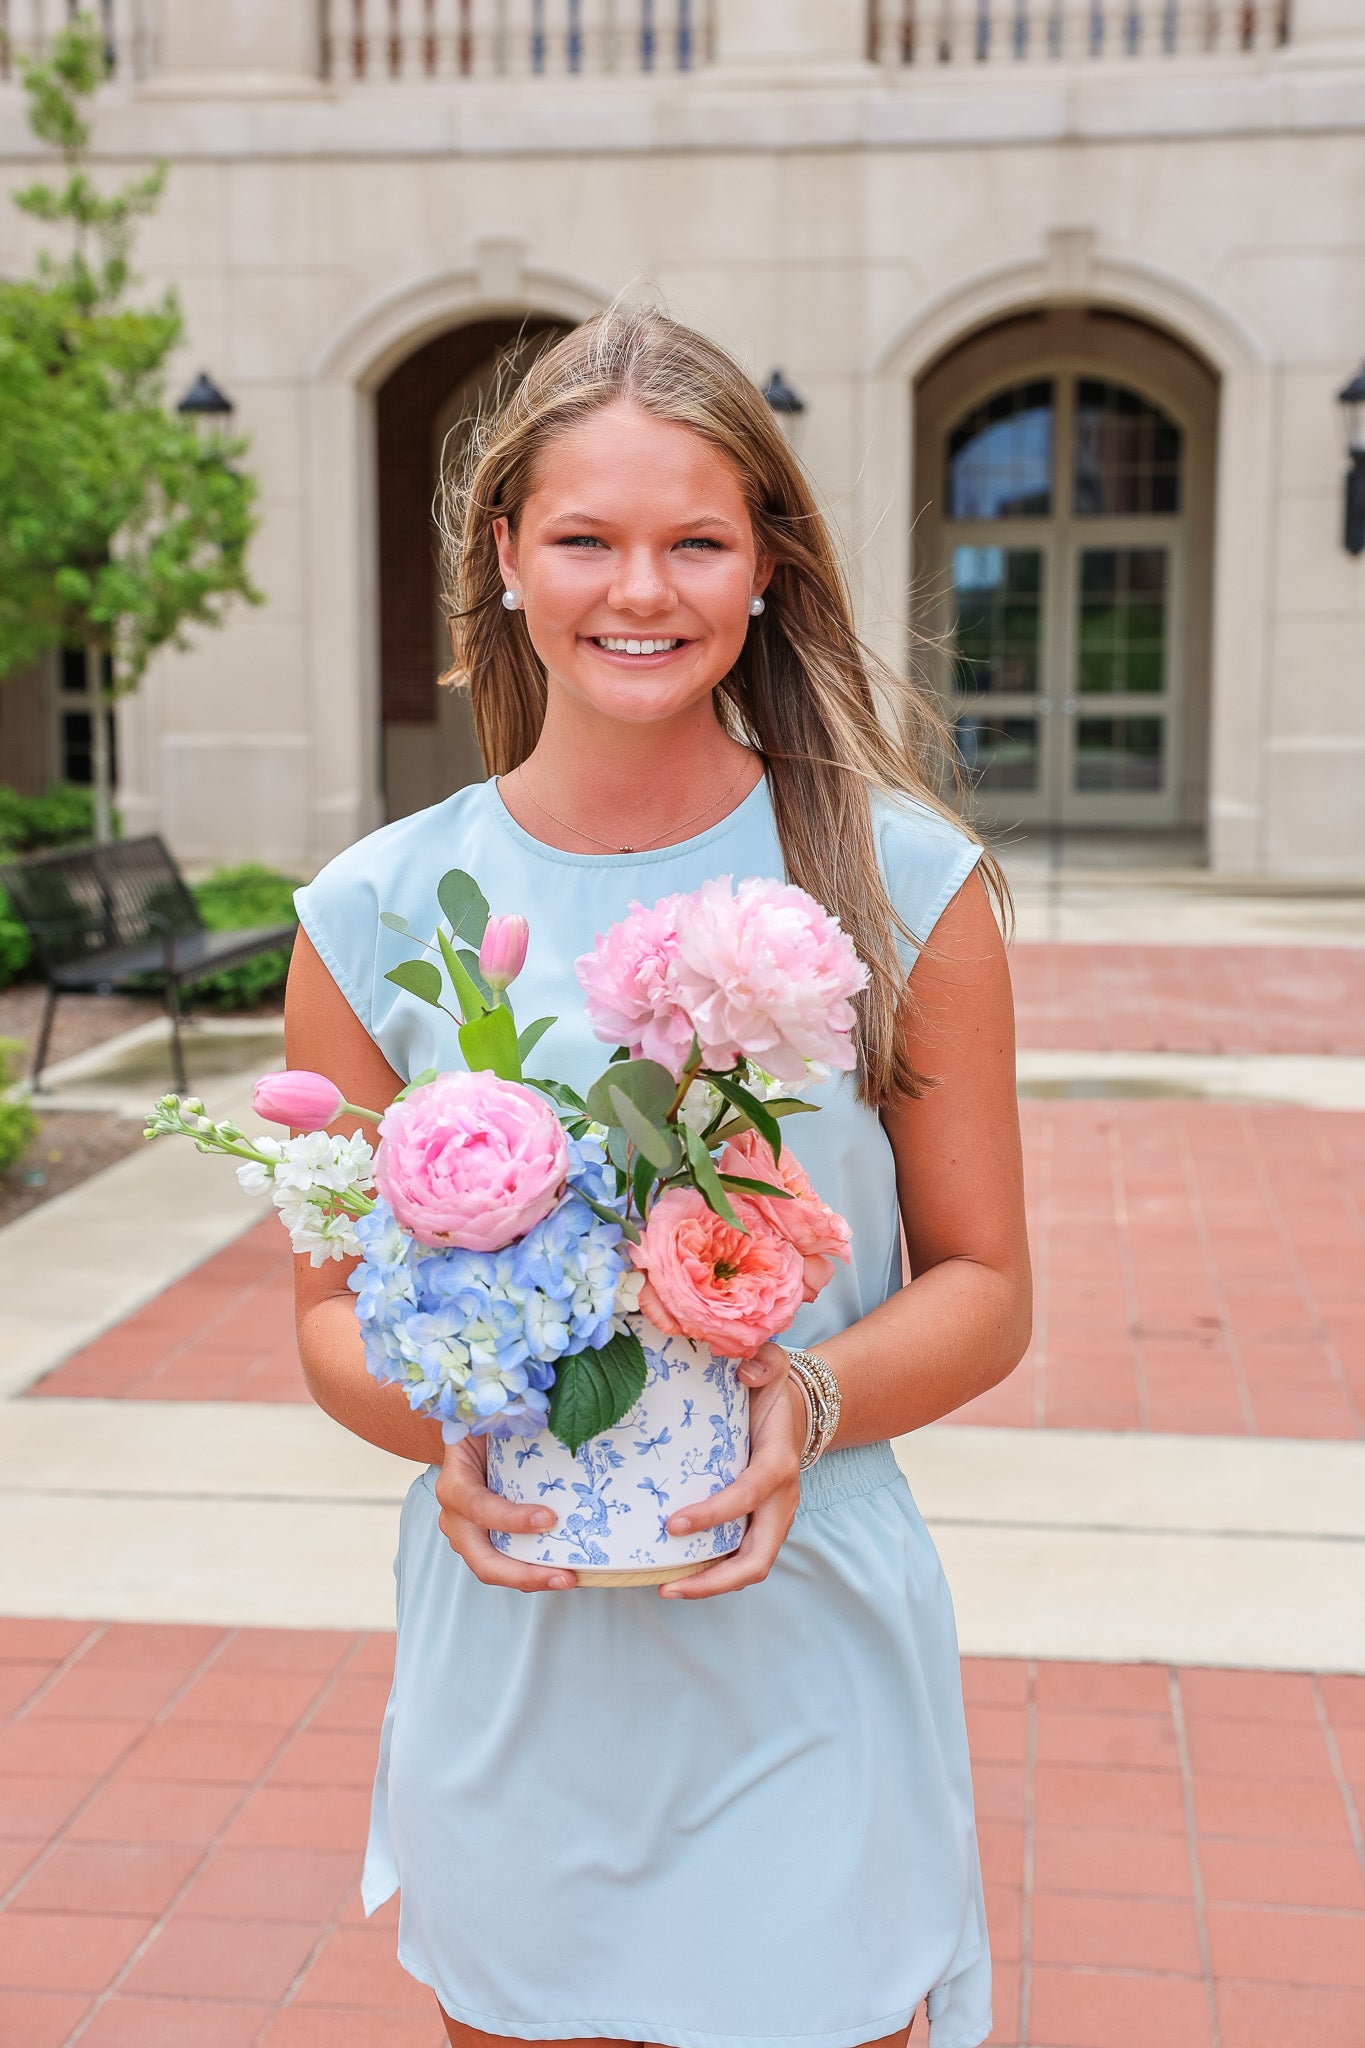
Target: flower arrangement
(512,1233)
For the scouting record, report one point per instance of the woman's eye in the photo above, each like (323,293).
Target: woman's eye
(580,540)
(698,541)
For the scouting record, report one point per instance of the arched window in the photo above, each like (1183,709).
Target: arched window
(1127,454)
(1000,456)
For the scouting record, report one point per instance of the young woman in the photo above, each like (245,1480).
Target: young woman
(734,1811)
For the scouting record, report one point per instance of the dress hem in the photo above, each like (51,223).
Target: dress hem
(676,2037)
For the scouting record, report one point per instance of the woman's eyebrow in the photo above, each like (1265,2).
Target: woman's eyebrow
(703,519)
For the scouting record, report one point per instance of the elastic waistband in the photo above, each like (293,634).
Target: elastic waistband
(844,1475)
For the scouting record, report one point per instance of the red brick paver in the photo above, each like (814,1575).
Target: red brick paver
(1163,1849)
(1247,999)
(1198,1266)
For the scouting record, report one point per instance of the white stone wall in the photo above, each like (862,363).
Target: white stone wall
(845,222)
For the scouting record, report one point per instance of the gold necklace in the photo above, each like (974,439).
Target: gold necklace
(607,844)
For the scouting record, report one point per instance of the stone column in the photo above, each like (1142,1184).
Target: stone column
(784,34)
(239,46)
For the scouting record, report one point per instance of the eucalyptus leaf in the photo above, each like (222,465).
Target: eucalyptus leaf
(650,1087)
(394,922)
(464,905)
(647,1138)
(419,978)
(594,1389)
(708,1180)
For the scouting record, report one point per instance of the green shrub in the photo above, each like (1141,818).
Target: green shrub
(63,816)
(14,943)
(18,1124)
(230,900)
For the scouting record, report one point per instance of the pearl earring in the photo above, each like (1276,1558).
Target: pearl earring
(756,607)
(511,601)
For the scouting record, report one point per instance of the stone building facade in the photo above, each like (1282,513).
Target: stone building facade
(1068,289)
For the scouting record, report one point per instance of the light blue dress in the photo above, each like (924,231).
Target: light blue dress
(743,1822)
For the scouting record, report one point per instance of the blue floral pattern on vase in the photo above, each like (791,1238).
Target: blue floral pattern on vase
(686,1437)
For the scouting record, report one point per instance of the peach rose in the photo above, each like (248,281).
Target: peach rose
(817,1232)
(710,1282)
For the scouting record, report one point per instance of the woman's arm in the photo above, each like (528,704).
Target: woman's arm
(322,1032)
(963,1322)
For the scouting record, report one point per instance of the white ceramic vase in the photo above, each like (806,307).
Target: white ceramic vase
(685,1438)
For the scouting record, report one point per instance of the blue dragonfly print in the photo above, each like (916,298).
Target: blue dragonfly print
(644,1445)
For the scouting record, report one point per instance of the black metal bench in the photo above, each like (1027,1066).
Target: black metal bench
(107,917)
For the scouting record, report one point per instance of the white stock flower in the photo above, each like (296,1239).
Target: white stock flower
(698,1106)
(340,1165)
(255,1175)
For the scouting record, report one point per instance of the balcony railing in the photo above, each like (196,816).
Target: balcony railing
(934,32)
(373,41)
(28,26)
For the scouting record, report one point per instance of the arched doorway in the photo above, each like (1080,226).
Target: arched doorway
(429,401)
(1064,470)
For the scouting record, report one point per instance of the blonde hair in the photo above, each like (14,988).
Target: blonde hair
(804,692)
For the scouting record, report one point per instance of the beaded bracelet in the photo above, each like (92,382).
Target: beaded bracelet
(820,1391)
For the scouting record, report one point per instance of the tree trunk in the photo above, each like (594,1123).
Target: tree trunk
(101,768)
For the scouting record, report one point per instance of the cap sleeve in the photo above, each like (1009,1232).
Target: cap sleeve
(339,910)
(925,858)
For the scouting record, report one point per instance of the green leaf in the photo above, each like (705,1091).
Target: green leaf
(558,1091)
(707,1179)
(470,963)
(464,905)
(419,978)
(648,1139)
(594,1389)
(530,1038)
(467,994)
(394,922)
(489,1044)
(641,1181)
(758,1113)
(610,1215)
(649,1086)
(755,1187)
(418,1081)
(782,1105)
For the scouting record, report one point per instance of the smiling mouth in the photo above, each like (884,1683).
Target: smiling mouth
(616,644)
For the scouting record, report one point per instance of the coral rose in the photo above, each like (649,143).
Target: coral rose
(713,1283)
(819,1233)
(470,1160)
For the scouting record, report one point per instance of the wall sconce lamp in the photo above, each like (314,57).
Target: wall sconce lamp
(781,397)
(1352,402)
(205,405)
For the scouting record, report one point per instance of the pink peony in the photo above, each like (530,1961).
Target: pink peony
(707,1281)
(627,982)
(298,1097)
(764,972)
(816,1231)
(470,1160)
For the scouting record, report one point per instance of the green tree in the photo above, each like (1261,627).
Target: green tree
(120,525)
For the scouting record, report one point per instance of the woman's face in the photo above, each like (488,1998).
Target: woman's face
(635,561)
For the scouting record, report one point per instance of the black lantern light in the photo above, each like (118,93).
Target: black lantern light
(206,405)
(781,397)
(1352,401)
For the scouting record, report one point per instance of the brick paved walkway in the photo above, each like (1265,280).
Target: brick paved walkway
(181,1813)
(1245,999)
(1199,1267)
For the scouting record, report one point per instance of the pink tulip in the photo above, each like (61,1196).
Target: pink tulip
(503,952)
(307,1101)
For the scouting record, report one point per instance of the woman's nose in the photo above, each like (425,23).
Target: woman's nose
(641,584)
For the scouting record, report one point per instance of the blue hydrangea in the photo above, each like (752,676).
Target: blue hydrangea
(473,1337)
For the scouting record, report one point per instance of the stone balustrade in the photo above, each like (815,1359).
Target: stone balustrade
(956,32)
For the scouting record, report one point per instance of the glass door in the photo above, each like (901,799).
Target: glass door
(1066,557)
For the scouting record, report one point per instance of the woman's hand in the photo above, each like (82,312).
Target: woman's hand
(470,1508)
(768,1490)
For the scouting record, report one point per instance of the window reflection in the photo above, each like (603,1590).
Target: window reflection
(1122,621)
(997,619)
(1127,453)
(997,754)
(1000,457)
(1120,753)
